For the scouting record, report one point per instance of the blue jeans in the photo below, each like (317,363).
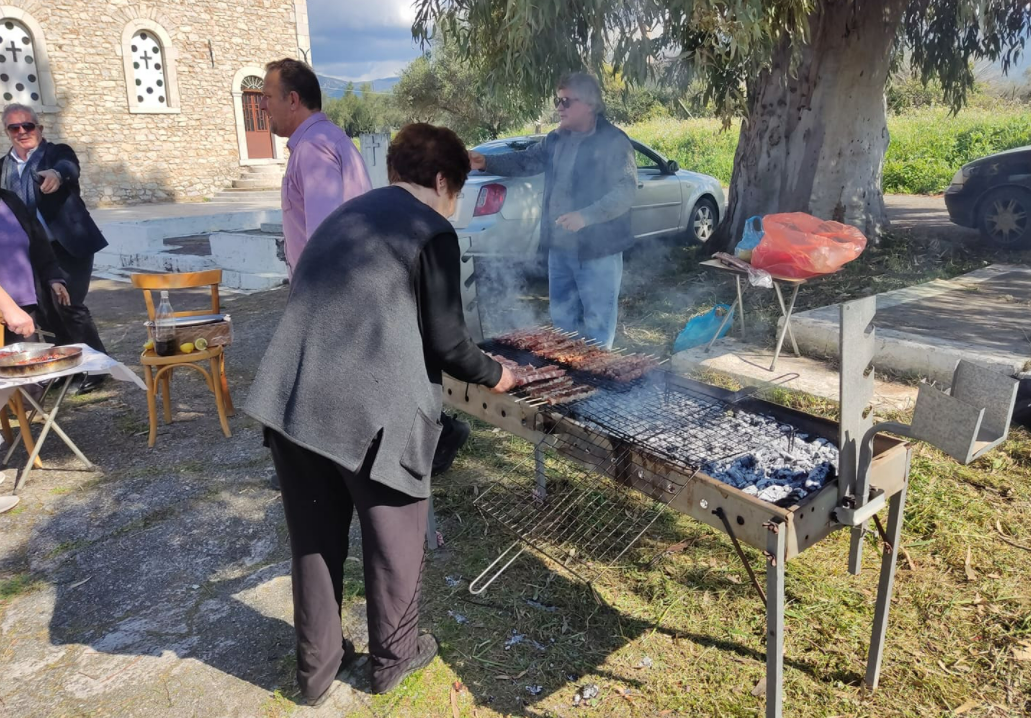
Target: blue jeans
(584,295)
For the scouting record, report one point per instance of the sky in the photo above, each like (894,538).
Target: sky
(361,39)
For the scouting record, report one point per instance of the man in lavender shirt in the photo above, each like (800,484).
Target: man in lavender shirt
(325,169)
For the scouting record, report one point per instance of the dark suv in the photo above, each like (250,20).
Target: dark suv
(993,194)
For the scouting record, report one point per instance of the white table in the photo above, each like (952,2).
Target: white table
(94,363)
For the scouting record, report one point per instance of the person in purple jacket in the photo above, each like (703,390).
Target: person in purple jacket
(325,169)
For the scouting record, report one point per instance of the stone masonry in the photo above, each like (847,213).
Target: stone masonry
(188,154)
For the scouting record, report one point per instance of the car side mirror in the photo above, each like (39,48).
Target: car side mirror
(672,167)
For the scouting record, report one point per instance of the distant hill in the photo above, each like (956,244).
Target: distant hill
(336,86)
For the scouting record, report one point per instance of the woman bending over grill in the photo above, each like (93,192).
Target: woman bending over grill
(349,391)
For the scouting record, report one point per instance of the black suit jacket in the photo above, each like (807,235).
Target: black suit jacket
(64,211)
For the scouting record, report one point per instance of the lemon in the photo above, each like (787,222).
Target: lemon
(186,348)
(149,345)
(201,344)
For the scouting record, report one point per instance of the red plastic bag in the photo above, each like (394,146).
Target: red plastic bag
(797,245)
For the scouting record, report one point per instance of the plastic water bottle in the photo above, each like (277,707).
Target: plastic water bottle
(164,327)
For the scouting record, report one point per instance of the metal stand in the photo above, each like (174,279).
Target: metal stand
(775,573)
(786,329)
(431,527)
(49,423)
(886,585)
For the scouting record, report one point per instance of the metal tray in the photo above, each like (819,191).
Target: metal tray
(23,347)
(18,365)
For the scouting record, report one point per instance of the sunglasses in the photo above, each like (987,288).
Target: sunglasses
(27,126)
(565,102)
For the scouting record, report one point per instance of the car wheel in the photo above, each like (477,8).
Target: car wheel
(704,218)
(1004,218)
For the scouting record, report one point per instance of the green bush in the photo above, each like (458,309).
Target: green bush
(928,146)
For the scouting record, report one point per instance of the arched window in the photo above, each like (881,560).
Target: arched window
(24,66)
(19,76)
(149,60)
(148,71)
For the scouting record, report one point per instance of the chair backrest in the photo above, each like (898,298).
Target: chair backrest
(150,283)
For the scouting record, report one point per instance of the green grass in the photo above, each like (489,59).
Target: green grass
(927,145)
(17,585)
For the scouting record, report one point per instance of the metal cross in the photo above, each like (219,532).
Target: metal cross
(15,50)
(146,59)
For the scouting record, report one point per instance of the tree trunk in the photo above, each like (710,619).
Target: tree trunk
(815,138)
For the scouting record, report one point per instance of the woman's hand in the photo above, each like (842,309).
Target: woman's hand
(506,382)
(19,322)
(61,294)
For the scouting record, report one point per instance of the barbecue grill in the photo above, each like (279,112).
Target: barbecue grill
(605,466)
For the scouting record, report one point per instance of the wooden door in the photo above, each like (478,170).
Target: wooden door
(256,128)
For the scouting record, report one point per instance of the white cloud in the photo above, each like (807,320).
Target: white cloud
(362,71)
(362,13)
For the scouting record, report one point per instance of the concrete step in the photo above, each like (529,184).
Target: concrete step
(263,170)
(262,182)
(749,365)
(272,227)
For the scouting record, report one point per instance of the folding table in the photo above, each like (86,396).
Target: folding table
(93,362)
(785,310)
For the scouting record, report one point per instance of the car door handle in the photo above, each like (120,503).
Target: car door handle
(640,185)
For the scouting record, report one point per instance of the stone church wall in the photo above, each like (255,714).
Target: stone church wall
(131,158)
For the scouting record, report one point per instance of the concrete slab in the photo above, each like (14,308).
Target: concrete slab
(749,365)
(983,316)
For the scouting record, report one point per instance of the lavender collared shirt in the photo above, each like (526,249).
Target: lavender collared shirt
(324,171)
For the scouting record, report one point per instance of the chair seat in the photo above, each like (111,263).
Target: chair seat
(150,358)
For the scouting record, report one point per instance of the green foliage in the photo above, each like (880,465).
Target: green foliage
(446,88)
(927,147)
(697,145)
(728,44)
(362,110)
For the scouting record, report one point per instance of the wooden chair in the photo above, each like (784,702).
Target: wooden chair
(17,407)
(158,370)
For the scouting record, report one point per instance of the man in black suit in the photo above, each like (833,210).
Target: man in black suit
(45,177)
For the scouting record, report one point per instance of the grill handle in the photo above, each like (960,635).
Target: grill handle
(750,390)
(477,591)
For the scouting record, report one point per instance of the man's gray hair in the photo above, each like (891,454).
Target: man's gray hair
(15,107)
(586,87)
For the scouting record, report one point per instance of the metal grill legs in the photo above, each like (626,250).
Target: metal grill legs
(889,560)
(775,550)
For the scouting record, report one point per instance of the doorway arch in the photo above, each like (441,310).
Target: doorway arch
(254,135)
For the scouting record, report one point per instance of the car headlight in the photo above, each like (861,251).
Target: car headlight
(959,179)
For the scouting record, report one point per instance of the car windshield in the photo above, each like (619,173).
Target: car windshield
(497,147)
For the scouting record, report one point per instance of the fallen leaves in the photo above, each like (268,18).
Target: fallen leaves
(966,707)
(968,569)
(1022,651)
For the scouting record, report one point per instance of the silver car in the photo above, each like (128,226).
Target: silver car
(501,216)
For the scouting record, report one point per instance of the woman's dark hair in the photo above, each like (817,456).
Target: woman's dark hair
(420,151)
(296,76)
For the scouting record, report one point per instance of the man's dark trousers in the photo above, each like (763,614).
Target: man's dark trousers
(319,497)
(79,327)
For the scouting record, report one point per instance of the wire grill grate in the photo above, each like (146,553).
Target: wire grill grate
(582,499)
